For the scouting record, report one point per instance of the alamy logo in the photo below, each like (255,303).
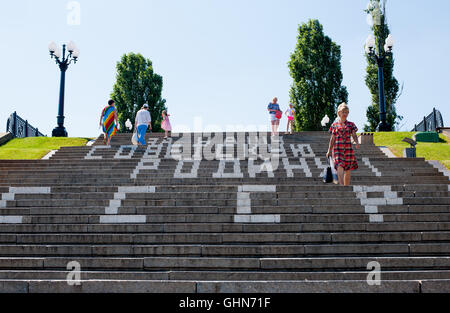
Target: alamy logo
(374,276)
(375,12)
(74,14)
(74,276)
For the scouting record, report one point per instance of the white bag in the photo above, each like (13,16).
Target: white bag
(134,139)
(333,171)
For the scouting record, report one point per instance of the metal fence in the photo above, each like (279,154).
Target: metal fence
(20,128)
(430,122)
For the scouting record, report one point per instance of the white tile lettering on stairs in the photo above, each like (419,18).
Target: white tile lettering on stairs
(144,164)
(9,219)
(10,196)
(119,155)
(441,168)
(153,150)
(268,165)
(302,150)
(236,170)
(302,166)
(151,156)
(123,219)
(321,165)
(366,161)
(169,142)
(198,148)
(257,145)
(192,174)
(90,155)
(371,204)
(112,210)
(277,147)
(244,206)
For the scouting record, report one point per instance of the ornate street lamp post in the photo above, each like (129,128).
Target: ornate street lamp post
(379,57)
(63,62)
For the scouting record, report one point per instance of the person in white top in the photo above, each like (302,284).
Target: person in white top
(142,122)
(290,113)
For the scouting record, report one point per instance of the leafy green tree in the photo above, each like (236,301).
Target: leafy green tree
(137,84)
(315,67)
(391,86)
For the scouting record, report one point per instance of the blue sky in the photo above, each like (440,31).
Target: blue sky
(221,61)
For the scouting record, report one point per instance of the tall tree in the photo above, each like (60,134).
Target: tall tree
(391,86)
(137,84)
(315,67)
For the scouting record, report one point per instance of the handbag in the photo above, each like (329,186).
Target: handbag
(333,171)
(134,139)
(279,115)
(328,176)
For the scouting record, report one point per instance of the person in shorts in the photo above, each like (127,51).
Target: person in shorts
(273,108)
(290,113)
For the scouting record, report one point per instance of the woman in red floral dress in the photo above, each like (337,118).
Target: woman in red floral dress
(341,145)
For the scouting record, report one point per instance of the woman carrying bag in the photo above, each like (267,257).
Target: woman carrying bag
(341,145)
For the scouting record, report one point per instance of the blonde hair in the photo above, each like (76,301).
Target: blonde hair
(343,107)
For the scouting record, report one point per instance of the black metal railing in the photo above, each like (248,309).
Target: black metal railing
(430,122)
(20,128)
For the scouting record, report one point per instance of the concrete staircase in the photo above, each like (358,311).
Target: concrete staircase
(174,216)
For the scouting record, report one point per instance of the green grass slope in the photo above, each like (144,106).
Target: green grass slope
(36,147)
(430,151)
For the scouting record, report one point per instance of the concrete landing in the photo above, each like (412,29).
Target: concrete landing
(5,137)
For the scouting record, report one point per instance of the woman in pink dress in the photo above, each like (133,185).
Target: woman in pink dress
(341,147)
(166,123)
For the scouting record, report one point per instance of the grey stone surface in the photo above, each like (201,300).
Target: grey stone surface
(97,262)
(308,287)
(354,262)
(204,262)
(357,249)
(12,286)
(105,286)
(435,286)
(236,250)
(15,262)
(430,248)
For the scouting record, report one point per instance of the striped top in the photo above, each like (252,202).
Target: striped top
(109,125)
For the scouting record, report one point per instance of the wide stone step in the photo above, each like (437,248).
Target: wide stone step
(338,263)
(358,180)
(224,250)
(193,195)
(200,202)
(293,276)
(230,263)
(194,223)
(225,237)
(158,286)
(97,286)
(280,188)
(222,276)
(294,213)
